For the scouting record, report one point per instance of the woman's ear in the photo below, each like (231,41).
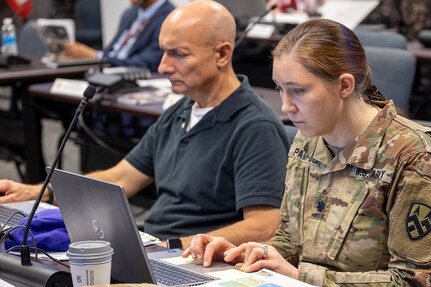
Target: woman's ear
(347,85)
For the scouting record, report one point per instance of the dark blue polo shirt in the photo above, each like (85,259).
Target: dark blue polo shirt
(234,157)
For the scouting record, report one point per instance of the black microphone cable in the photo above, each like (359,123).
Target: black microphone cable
(25,249)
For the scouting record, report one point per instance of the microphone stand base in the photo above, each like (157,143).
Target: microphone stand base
(35,275)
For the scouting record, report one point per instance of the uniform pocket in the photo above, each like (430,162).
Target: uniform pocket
(296,187)
(361,233)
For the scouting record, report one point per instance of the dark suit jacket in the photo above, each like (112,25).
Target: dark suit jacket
(145,52)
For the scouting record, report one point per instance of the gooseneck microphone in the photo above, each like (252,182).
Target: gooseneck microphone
(25,249)
(249,27)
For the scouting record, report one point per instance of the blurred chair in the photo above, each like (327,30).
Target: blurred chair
(88,23)
(393,72)
(29,41)
(12,144)
(291,132)
(382,39)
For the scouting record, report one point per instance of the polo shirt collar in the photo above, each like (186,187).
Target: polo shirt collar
(223,112)
(239,99)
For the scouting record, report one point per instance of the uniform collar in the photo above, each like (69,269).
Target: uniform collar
(361,152)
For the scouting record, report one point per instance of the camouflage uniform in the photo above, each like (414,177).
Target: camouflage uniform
(362,217)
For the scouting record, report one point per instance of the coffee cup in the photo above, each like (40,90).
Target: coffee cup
(90,262)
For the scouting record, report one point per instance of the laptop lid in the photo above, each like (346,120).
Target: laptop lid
(98,210)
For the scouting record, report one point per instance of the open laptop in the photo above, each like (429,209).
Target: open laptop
(98,210)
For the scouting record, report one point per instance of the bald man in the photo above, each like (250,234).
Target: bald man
(217,156)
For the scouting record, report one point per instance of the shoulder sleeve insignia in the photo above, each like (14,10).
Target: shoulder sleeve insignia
(418,221)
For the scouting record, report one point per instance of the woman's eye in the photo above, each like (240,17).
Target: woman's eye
(296,92)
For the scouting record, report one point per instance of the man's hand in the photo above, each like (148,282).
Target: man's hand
(14,191)
(79,51)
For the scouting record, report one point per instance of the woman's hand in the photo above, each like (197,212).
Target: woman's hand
(258,256)
(207,248)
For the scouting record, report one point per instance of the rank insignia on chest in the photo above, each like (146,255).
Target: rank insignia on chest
(418,221)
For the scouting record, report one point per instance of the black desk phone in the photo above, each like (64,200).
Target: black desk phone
(117,78)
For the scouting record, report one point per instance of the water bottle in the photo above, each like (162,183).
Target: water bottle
(8,36)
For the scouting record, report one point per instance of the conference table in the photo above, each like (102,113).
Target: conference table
(20,77)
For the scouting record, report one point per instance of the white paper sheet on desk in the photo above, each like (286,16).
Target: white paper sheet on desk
(289,18)
(161,83)
(69,87)
(347,12)
(263,277)
(5,284)
(148,239)
(142,98)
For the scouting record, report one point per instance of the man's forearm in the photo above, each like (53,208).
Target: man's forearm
(259,227)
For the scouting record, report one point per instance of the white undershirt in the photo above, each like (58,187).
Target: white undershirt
(196,115)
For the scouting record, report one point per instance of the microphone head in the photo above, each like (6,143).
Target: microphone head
(273,6)
(89,92)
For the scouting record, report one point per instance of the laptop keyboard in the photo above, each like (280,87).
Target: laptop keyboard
(170,275)
(6,212)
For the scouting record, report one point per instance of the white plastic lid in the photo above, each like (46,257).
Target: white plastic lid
(7,21)
(90,248)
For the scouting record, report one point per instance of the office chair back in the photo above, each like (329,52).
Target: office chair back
(393,72)
(291,132)
(12,146)
(88,23)
(385,39)
(29,41)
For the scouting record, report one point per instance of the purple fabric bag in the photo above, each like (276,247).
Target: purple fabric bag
(49,232)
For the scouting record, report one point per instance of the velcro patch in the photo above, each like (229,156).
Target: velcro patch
(418,221)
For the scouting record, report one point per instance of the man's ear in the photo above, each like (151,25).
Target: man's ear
(347,85)
(224,53)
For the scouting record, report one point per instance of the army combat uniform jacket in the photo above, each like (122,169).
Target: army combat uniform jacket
(362,217)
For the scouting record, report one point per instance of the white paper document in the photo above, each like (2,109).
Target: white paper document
(347,12)
(5,284)
(262,278)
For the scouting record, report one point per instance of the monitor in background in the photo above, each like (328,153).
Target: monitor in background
(244,9)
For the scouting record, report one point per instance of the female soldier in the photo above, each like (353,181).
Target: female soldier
(357,203)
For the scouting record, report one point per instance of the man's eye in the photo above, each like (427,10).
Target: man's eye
(178,54)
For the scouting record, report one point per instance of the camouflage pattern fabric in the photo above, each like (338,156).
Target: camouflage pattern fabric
(362,217)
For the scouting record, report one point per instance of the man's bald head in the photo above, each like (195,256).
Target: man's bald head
(207,19)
